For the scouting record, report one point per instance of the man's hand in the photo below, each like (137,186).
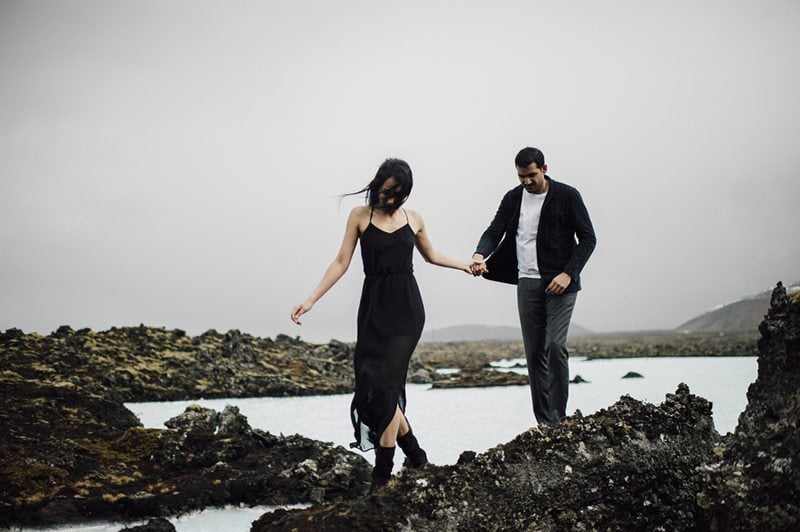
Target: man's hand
(478,266)
(559,283)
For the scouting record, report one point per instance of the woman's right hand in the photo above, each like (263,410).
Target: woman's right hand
(299,310)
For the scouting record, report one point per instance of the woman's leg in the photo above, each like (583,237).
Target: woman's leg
(403,429)
(397,427)
(384,452)
(399,432)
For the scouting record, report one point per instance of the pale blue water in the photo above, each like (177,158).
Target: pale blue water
(448,422)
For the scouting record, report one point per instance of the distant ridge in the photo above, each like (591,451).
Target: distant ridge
(471,333)
(737,317)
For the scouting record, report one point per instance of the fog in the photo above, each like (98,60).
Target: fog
(179,164)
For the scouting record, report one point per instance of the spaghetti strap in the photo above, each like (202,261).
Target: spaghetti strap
(371,210)
(406,213)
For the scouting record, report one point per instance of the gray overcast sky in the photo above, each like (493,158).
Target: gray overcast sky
(178,163)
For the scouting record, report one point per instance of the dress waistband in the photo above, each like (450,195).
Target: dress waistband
(387,274)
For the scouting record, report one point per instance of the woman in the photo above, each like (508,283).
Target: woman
(390,314)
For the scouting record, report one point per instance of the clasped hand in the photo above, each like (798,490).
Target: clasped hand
(478,265)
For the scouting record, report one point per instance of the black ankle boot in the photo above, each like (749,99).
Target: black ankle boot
(382,471)
(410,446)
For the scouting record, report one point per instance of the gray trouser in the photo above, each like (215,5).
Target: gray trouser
(544,319)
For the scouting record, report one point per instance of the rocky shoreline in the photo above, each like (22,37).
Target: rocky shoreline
(70,451)
(136,364)
(149,364)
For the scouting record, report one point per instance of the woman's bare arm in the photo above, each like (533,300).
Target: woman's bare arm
(337,268)
(427,250)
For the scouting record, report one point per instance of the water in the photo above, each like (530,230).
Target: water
(448,422)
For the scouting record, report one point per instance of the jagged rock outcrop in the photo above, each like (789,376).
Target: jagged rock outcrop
(151,364)
(756,486)
(66,456)
(632,466)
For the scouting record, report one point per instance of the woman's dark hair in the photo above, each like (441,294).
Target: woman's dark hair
(401,172)
(529,155)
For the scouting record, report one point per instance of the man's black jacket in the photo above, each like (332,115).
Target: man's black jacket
(563,217)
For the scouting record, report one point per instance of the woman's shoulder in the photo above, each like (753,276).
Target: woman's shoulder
(360,212)
(359,218)
(415,219)
(413,215)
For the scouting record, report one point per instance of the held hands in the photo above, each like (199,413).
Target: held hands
(478,266)
(465,267)
(559,283)
(299,310)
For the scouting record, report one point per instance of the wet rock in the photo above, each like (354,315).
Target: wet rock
(232,422)
(153,525)
(633,375)
(420,376)
(578,380)
(467,457)
(195,419)
(473,378)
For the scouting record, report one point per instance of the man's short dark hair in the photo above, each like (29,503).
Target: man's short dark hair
(529,155)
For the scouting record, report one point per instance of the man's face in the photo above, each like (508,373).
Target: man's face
(532,178)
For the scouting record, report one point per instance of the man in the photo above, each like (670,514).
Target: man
(531,243)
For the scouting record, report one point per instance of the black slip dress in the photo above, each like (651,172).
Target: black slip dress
(390,320)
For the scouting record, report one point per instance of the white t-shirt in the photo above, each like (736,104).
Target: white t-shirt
(527,230)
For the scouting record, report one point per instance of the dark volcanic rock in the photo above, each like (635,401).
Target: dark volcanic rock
(66,456)
(155,364)
(631,466)
(757,485)
(633,375)
(153,525)
(578,380)
(476,354)
(151,364)
(473,378)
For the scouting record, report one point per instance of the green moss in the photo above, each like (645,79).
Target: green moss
(42,368)
(202,385)
(183,356)
(34,481)
(10,375)
(135,445)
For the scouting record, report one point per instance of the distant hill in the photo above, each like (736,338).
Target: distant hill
(740,316)
(469,333)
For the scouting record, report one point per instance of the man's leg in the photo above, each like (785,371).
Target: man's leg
(559,313)
(531,306)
